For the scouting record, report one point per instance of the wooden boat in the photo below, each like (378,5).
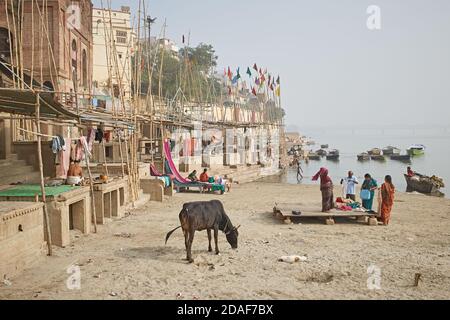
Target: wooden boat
(416,149)
(363,156)
(313,156)
(333,155)
(324,146)
(322,152)
(424,184)
(401,157)
(377,157)
(374,152)
(389,150)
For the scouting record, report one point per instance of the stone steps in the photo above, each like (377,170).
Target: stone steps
(13,170)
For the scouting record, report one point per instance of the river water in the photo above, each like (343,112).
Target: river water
(351,142)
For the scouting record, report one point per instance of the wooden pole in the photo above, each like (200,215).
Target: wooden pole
(105,163)
(41,171)
(91,184)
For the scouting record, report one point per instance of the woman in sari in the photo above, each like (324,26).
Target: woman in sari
(387,200)
(371,185)
(326,186)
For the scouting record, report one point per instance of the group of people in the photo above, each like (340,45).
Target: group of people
(205,178)
(368,187)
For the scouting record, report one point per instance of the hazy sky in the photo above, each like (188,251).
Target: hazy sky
(333,68)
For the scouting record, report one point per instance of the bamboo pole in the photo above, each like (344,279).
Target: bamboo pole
(121,156)
(105,163)
(91,185)
(41,171)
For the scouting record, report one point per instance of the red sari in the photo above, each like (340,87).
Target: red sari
(387,202)
(326,187)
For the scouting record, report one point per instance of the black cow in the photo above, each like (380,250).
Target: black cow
(201,215)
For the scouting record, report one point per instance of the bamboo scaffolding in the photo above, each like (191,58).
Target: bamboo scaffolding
(41,171)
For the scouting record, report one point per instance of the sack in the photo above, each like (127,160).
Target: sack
(365,194)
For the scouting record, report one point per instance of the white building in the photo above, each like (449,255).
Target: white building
(113,42)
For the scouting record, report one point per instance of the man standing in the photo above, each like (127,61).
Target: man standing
(299,171)
(350,186)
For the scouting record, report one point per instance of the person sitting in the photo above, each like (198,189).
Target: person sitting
(204,176)
(75,173)
(193,176)
(409,172)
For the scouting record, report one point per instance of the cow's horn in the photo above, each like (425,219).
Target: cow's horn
(238,227)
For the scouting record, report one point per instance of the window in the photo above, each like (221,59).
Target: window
(85,69)
(121,40)
(121,33)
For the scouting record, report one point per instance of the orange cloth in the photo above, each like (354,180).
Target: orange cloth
(204,177)
(387,201)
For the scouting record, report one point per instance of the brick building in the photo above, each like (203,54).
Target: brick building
(63,45)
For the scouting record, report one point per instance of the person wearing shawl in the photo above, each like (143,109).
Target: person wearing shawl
(371,185)
(326,186)
(387,200)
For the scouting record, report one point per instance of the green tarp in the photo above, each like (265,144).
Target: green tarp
(32,190)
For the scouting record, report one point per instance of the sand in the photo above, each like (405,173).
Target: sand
(137,264)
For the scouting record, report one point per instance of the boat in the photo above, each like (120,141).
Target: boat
(424,184)
(416,149)
(389,150)
(401,157)
(322,152)
(324,146)
(313,156)
(377,157)
(363,156)
(333,155)
(374,152)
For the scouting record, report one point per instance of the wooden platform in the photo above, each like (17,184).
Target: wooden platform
(285,213)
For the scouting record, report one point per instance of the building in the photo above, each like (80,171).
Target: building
(62,48)
(113,47)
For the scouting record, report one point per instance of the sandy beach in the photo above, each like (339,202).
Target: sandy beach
(127,258)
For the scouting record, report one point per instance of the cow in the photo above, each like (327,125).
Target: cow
(201,215)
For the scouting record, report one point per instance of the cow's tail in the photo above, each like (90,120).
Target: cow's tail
(170,233)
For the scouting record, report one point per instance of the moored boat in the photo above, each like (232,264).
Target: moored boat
(389,150)
(313,156)
(401,157)
(333,155)
(374,152)
(363,156)
(424,184)
(377,157)
(324,146)
(416,149)
(322,152)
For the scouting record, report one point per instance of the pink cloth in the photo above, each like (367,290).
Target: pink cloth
(64,159)
(172,165)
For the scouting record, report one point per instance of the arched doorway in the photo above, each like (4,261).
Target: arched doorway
(5,35)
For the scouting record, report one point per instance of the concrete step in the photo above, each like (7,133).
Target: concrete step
(15,170)
(30,177)
(13,162)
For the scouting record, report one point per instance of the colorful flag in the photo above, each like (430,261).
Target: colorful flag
(235,79)
(249,72)
(271,87)
(183,39)
(278,91)
(263,79)
(238,73)
(257,81)
(254,91)
(278,80)
(255,67)
(230,75)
